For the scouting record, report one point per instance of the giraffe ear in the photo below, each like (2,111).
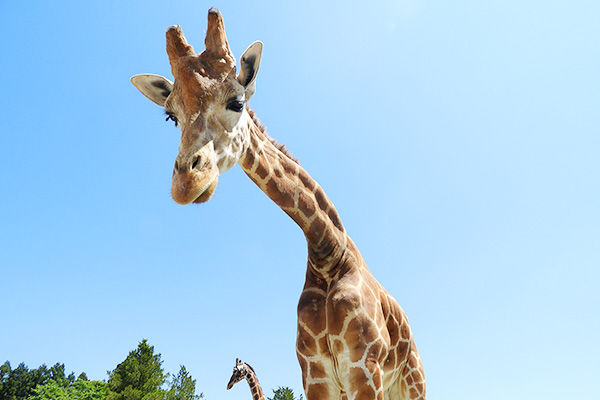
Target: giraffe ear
(154,87)
(249,68)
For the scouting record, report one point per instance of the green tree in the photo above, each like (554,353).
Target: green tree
(139,377)
(79,390)
(183,387)
(57,373)
(82,377)
(16,383)
(20,383)
(51,390)
(284,393)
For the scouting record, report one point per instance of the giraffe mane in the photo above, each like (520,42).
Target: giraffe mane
(252,369)
(249,366)
(275,143)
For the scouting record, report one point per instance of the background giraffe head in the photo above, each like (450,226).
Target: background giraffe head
(239,373)
(207,102)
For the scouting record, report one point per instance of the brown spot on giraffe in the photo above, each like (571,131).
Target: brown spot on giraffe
(317,370)
(280,192)
(306,204)
(318,391)
(306,181)
(353,339)
(307,342)
(262,170)
(248,161)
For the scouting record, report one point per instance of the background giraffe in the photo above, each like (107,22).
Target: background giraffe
(353,338)
(244,371)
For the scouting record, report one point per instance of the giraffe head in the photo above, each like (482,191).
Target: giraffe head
(207,102)
(239,373)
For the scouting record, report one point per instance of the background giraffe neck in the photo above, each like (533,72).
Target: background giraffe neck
(281,178)
(257,393)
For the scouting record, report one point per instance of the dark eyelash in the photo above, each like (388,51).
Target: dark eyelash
(171,117)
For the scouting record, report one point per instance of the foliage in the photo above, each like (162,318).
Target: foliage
(80,390)
(20,383)
(139,377)
(183,387)
(284,393)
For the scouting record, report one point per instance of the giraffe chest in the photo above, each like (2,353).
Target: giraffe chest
(340,328)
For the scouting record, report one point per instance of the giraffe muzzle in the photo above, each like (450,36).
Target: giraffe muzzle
(195,180)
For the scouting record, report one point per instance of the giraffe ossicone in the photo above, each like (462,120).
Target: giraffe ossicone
(353,339)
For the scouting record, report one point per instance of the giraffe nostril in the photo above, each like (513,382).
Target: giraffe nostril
(196,162)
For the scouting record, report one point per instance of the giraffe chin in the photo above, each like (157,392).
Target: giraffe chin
(207,194)
(185,190)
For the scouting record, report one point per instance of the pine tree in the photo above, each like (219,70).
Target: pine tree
(21,382)
(284,393)
(183,387)
(139,377)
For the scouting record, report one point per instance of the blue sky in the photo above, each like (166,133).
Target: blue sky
(459,141)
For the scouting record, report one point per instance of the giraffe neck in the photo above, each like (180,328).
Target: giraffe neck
(281,178)
(257,393)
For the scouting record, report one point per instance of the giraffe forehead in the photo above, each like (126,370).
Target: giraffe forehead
(217,69)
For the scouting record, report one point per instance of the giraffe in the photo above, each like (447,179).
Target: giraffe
(243,370)
(353,339)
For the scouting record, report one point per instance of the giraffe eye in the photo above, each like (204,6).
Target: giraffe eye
(172,118)
(235,105)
